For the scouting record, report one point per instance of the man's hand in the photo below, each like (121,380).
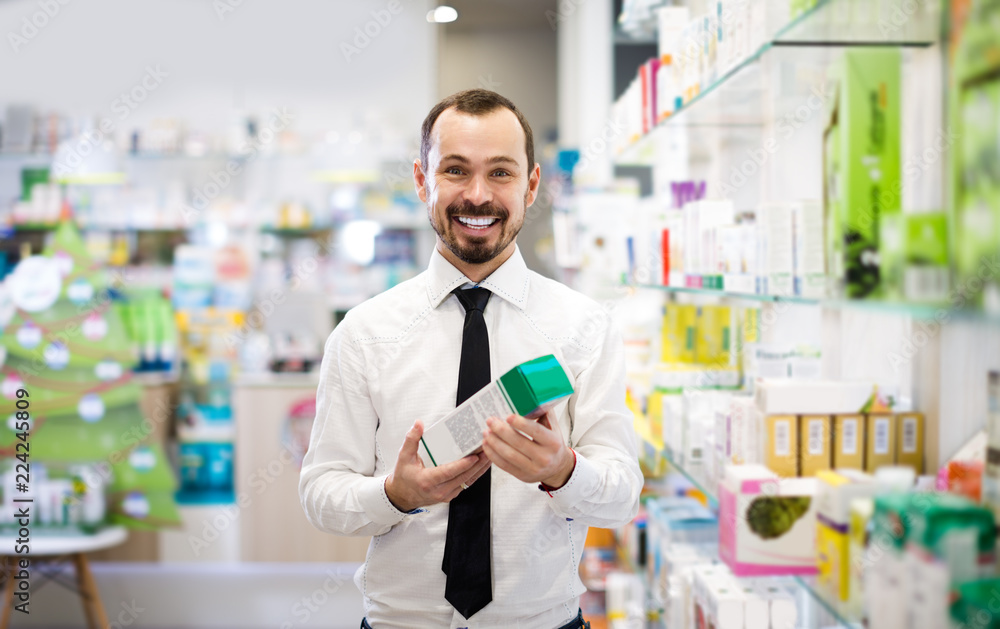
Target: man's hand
(542,456)
(411,485)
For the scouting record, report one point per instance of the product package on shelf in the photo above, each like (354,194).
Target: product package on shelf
(862,169)
(809,251)
(767,524)
(974,99)
(775,250)
(671,22)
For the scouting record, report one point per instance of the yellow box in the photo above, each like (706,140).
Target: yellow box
(880,440)
(835,492)
(679,333)
(815,444)
(781,448)
(848,442)
(910,440)
(713,335)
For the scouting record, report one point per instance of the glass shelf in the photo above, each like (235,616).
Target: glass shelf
(831,613)
(738,99)
(942,312)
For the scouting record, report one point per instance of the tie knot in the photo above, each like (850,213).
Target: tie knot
(473,298)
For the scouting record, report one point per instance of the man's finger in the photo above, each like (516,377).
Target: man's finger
(478,471)
(509,434)
(451,471)
(530,427)
(496,444)
(411,441)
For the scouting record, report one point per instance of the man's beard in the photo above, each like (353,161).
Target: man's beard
(478,251)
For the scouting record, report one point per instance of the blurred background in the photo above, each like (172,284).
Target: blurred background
(193,193)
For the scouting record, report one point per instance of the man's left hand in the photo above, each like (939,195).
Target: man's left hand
(541,457)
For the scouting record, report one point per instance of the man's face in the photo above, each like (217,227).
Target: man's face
(477,183)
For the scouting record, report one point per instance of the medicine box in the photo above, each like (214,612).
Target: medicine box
(880,440)
(910,441)
(767,524)
(815,447)
(848,441)
(529,390)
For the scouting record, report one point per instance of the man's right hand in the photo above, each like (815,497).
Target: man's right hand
(411,485)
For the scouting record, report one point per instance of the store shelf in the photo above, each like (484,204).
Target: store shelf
(942,312)
(737,99)
(836,610)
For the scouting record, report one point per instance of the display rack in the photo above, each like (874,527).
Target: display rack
(733,99)
(739,105)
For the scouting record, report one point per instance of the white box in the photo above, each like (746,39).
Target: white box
(811,397)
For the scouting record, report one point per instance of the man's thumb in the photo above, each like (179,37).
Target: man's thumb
(412,439)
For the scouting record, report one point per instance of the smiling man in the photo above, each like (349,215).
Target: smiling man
(493,540)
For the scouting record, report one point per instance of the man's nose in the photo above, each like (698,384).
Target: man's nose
(478,191)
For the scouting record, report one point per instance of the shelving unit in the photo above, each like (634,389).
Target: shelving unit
(709,137)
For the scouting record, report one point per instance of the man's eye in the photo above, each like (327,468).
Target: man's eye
(502,173)
(454,171)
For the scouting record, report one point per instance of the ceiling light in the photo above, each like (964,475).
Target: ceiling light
(442,15)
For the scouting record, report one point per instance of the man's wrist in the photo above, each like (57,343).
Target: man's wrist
(557,481)
(393,499)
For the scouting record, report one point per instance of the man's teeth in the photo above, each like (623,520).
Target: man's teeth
(477,222)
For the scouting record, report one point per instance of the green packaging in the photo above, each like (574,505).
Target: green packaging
(925,257)
(862,169)
(974,100)
(528,390)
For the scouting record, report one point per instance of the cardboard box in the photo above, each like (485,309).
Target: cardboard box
(880,441)
(834,496)
(815,448)
(798,397)
(808,248)
(849,442)
(910,441)
(781,444)
(529,390)
(767,524)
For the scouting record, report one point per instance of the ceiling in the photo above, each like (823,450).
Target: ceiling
(478,14)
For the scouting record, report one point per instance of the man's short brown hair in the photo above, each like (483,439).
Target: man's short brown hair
(476,102)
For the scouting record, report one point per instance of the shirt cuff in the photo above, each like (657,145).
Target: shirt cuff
(376,503)
(580,484)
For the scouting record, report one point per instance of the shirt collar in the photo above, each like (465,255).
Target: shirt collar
(510,281)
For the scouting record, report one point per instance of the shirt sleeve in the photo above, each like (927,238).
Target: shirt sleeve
(337,486)
(604,488)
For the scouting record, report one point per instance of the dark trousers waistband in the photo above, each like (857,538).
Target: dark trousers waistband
(576,623)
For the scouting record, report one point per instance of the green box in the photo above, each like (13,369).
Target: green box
(863,188)
(529,390)
(531,387)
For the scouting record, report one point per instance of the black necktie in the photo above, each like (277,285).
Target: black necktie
(469,586)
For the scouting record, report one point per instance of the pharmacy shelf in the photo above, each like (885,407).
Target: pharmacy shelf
(837,612)
(654,607)
(941,313)
(735,99)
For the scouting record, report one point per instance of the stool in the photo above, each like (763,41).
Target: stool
(47,555)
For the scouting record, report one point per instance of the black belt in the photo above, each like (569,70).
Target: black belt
(576,623)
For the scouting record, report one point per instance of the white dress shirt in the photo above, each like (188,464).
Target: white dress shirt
(394,359)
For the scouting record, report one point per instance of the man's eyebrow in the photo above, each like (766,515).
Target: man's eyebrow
(499,159)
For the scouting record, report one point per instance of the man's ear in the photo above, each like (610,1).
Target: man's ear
(533,181)
(419,180)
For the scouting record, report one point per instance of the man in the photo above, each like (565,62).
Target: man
(493,540)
